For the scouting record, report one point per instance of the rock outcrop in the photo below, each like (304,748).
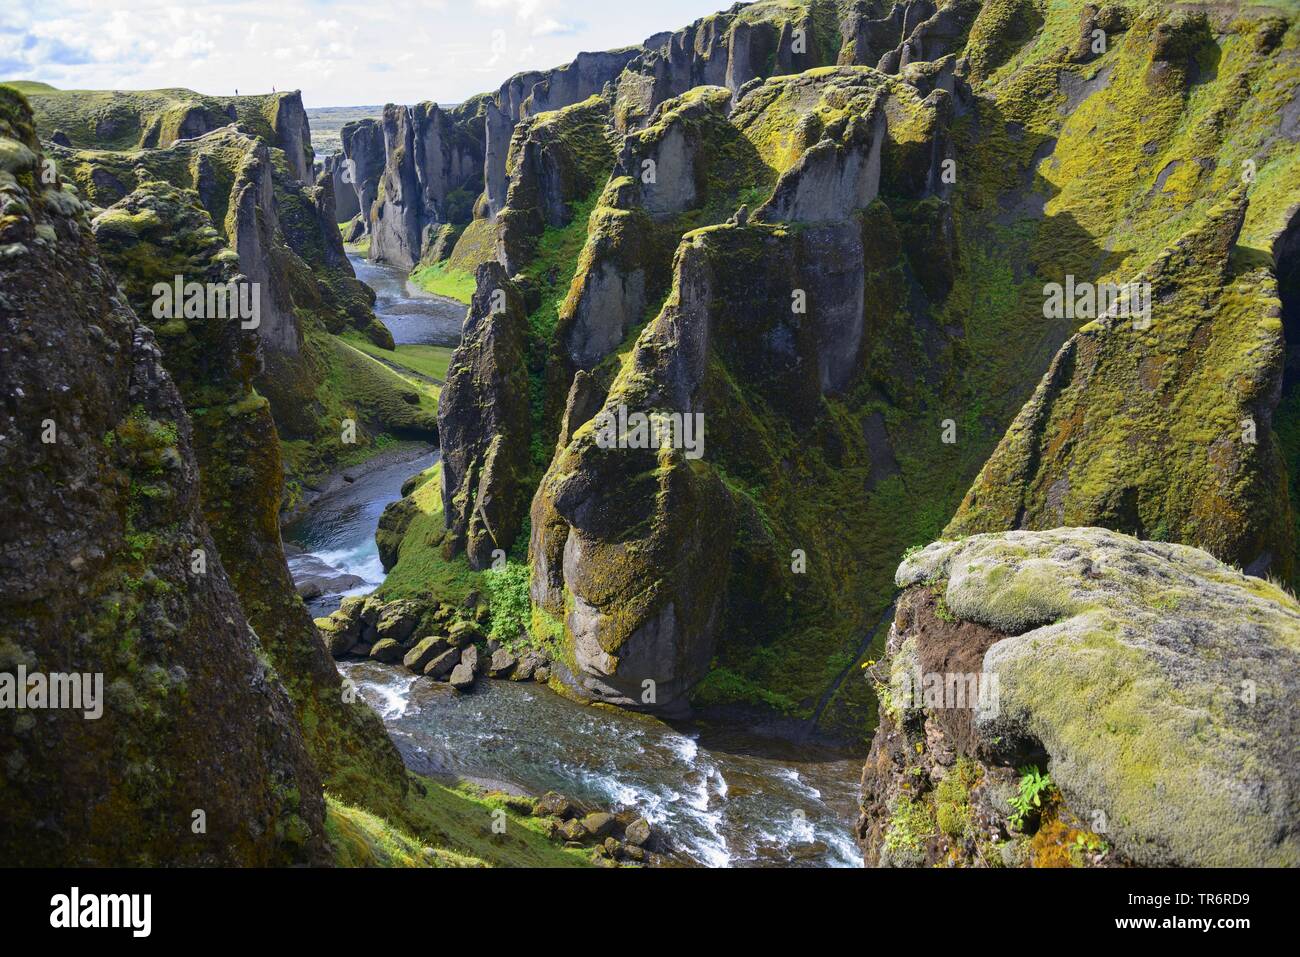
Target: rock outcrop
(363,152)
(910,31)
(484,425)
(556,158)
(158,119)
(749,41)
(111,574)
(288,244)
(148,238)
(638,551)
(433,169)
(528,94)
(1154,685)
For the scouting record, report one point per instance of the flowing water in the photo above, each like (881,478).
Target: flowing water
(413,316)
(721,795)
(339,529)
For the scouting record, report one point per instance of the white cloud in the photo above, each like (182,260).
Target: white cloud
(337,53)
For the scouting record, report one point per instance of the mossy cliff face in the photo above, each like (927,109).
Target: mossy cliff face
(213,362)
(433,169)
(890,36)
(923,212)
(728,49)
(531,93)
(98,476)
(1152,682)
(483,424)
(1162,432)
(362,142)
(284,235)
(555,159)
(648,557)
(689,168)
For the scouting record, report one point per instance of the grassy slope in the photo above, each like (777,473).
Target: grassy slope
(445,280)
(444,826)
(429,362)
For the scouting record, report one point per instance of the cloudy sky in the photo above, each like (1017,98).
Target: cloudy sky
(338,52)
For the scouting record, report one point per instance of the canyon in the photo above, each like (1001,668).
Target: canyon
(830,232)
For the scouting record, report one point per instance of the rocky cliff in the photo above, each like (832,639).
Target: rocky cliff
(195,756)
(1209,473)
(433,170)
(147,238)
(285,234)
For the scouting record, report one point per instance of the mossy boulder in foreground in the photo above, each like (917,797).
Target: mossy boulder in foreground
(1153,683)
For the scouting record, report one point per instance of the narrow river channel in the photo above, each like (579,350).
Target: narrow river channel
(723,796)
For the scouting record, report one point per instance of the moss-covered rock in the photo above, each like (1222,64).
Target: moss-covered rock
(112,572)
(555,159)
(484,424)
(282,233)
(1151,681)
(1159,425)
(213,361)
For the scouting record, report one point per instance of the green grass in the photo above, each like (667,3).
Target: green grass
(374,387)
(444,826)
(428,361)
(421,571)
(444,280)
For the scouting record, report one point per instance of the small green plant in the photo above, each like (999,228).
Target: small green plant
(1034,787)
(1090,844)
(507,589)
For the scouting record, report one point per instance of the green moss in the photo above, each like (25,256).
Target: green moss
(952,807)
(421,570)
(911,822)
(423,362)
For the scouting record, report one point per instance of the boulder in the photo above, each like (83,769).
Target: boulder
(386,650)
(441,666)
(339,633)
(462,676)
(634,853)
(425,651)
(1154,683)
(462,633)
(397,621)
(573,831)
(502,663)
(598,824)
(470,659)
(638,832)
(553,804)
(527,666)
(313,577)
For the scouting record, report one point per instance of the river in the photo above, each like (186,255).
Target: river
(722,795)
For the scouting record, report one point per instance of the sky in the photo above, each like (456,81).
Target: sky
(338,52)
